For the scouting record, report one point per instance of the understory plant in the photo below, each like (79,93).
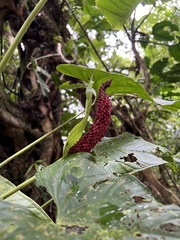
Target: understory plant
(95,185)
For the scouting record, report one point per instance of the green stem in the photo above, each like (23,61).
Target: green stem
(37,141)
(20,34)
(47,203)
(19,187)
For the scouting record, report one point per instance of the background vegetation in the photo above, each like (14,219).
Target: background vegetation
(55,55)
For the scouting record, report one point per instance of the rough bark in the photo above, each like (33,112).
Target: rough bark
(36,109)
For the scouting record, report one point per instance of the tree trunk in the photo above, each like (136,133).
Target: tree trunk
(36,109)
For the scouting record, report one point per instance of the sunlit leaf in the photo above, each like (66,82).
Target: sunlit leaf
(128,148)
(170,105)
(83,20)
(117,11)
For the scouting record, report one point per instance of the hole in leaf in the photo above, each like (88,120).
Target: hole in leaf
(138,199)
(138,235)
(130,158)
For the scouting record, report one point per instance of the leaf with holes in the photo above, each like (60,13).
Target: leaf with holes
(21,199)
(130,150)
(91,196)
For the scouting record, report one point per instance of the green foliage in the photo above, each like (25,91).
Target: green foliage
(94,193)
(164,31)
(117,11)
(77,131)
(121,84)
(175,51)
(97,196)
(142,152)
(22,200)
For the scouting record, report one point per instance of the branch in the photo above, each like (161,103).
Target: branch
(84,31)
(146,41)
(138,26)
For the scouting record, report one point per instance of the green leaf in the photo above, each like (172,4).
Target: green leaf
(16,222)
(83,20)
(158,67)
(117,11)
(21,200)
(175,51)
(77,131)
(89,194)
(121,84)
(127,149)
(148,2)
(163,31)
(170,105)
(68,86)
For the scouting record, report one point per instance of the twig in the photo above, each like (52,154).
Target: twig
(146,41)
(84,31)
(19,187)
(138,26)
(47,203)
(36,141)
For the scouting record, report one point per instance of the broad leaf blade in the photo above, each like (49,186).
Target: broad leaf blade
(22,200)
(175,51)
(88,194)
(117,11)
(121,84)
(160,31)
(128,148)
(17,222)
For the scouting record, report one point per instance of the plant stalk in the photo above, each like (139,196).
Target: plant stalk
(36,141)
(47,203)
(19,187)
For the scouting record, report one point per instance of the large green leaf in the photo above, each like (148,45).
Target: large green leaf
(175,51)
(158,67)
(129,150)
(89,194)
(22,218)
(17,223)
(117,11)
(163,31)
(21,200)
(170,105)
(121,84)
